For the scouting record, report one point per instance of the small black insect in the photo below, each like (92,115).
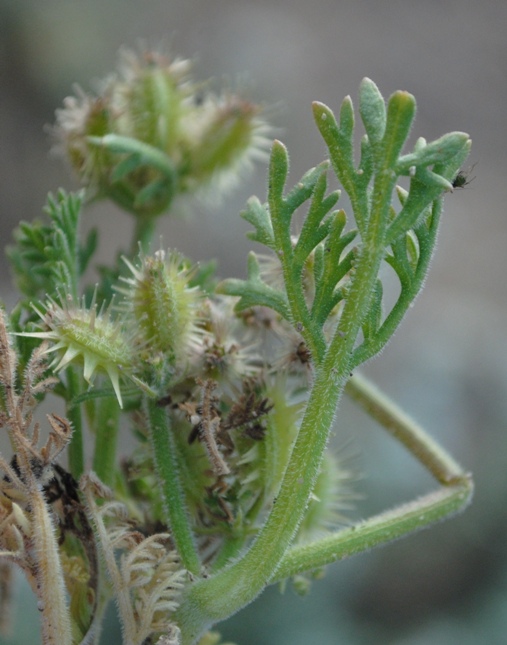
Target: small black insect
(462,178)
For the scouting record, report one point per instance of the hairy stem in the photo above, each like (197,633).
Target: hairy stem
(381,529)
(426,450)
(143,234)
(211,600)
(106,439)
(214,599)
(166,463)
(76,447)
(405,519)
(50,587)
(230,550)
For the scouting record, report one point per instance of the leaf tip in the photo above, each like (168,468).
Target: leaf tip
(278,145)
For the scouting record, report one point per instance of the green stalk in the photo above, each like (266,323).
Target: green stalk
(406,518)
(76,446)
(166,463)
(209,601)
(404,429)
(106,439)
(381,529)
(143,234)
(230,550)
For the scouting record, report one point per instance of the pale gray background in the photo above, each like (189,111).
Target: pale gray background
(447,365)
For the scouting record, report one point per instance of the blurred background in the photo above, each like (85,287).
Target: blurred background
(447,365)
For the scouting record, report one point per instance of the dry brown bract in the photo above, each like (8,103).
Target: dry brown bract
(27,526)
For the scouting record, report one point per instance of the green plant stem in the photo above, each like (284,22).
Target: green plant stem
(407,518)
(76,447)
(143,234)
(404,429)
(229,551)
(166,463)
(106,439)
(381,529)
(209,601)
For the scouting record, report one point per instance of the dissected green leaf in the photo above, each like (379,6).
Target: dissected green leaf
(46,257)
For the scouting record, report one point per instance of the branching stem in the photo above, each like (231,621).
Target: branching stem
(452,498)
(214,599)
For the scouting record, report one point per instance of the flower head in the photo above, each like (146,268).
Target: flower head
(92,337)
(163,306)
(152,133)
